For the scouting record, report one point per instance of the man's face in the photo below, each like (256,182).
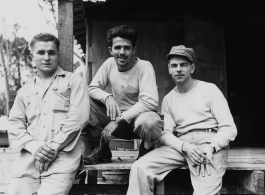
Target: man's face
(122,51)
(45,55)
(180,69)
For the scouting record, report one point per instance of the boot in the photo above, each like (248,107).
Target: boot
(143,151)
(101,153)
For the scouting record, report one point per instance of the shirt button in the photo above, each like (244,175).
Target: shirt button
(44,126)
(44,113)
(44,101)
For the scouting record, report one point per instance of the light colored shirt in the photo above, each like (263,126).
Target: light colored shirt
(48,114)
(203,107)
(134,90)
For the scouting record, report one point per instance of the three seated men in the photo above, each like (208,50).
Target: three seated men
(50,112)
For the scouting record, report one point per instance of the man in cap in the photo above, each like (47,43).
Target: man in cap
(130,111)
(197,131)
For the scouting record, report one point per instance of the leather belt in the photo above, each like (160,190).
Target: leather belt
(211,130)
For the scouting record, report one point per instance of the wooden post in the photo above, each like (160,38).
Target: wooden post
(65,34)
(89,51)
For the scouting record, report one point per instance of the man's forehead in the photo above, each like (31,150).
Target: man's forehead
(121,41)
(42,45)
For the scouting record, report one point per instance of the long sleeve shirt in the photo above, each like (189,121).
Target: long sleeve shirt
(134,90)
(203,107)
(49,114)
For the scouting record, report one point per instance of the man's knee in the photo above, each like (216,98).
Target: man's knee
(149,124)
(139,168)
(24,185)
(57,184)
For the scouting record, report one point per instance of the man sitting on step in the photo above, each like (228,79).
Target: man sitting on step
(198,113)
(130,113)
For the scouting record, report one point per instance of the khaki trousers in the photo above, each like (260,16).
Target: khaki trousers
(155,165)
(55,184)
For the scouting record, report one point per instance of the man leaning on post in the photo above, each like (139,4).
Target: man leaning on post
(45,123)
(197,131)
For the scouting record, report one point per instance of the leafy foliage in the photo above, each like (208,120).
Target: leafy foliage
(17,50)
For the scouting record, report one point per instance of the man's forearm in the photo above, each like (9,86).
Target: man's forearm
(97,93)
(168,139)
(69,139)
(32,146)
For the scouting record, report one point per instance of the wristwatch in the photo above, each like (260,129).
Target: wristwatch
(211,145)
(120,119)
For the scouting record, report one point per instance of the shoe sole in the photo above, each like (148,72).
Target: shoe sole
(99,162)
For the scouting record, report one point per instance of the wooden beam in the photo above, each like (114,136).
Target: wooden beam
(80,29)
(89,52)
(65,34)
(79,26)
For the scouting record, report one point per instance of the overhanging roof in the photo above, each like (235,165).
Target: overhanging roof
(224,12)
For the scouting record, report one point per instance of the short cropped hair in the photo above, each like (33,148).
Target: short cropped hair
(123,31)
(45,37)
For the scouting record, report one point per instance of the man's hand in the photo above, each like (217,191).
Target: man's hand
(39,165)
(108,130)
(44,153)
(113,109)
(42,166)
(208,161)
(194,153)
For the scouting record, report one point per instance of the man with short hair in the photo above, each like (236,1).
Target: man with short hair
(130,112)
(198,114)
(45,123)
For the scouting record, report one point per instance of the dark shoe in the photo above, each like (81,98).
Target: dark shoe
(101,154)
(143,151)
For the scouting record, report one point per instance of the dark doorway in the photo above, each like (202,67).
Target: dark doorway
(245,53)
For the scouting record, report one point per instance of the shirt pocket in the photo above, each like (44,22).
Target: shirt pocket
(61,100)
(32,107)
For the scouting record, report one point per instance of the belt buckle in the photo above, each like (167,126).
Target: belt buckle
(209,130)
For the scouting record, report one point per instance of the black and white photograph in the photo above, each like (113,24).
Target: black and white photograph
(132,97)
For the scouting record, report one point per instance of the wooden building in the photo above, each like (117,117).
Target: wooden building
(228,37)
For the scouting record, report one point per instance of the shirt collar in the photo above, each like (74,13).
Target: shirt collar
(59,71)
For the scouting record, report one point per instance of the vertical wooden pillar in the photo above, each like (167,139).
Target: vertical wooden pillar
(89,51)
(65,33)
